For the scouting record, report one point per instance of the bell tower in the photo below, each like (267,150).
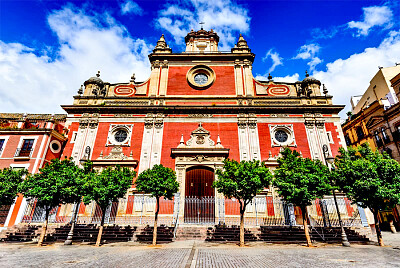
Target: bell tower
(201,41)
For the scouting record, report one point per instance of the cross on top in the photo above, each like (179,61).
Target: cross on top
(201,23)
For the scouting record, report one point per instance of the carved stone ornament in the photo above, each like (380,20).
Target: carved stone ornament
(116,153)
(200,158)
(200,138)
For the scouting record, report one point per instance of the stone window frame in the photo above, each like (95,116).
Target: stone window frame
(197,70)
(288,128)
(111,135)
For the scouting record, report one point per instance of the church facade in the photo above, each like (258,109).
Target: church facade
(197,108)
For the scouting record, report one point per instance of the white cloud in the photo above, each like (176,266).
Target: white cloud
(373,16)
(309,52)
(288,79)
(224,16)
(348,77)
(131,7)
(276,59)
(33,82)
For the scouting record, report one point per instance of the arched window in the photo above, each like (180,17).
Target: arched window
(347,139)
(385,136)
(360,133)
(378,139)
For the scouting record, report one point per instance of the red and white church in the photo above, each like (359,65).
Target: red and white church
(197,108)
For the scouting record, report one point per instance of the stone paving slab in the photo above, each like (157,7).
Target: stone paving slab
(178,254)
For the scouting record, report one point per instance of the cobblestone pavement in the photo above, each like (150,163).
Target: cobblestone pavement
(191,254)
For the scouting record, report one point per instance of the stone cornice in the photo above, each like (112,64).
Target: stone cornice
(225,109)
(214,56)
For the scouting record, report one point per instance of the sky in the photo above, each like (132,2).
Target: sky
(48,48)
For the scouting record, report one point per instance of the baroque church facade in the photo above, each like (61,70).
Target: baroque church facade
(197,108)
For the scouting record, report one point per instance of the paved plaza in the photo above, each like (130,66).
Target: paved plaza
(190,254)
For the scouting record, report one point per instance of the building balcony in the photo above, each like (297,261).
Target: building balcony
(379,143)
(22,153)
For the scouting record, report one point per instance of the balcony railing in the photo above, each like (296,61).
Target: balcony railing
(22,152)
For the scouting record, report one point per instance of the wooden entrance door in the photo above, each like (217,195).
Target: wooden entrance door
(199,195)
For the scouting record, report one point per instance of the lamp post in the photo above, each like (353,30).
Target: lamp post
(329,161)
(70,236)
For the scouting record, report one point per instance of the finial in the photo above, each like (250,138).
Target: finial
(325,90)
(80,90)
(182,140)
(200,124)
(307,75)
(133,78)
(131,154)
(201,25)
(301,154)
(270,154)
(98,74)
(101,154)
(269,77)
(218,140)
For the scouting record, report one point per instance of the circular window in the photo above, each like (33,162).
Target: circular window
(120,135)
(200,77)
(55,146)
(281,136)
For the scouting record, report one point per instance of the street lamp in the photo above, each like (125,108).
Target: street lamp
(70,236)
(329,161)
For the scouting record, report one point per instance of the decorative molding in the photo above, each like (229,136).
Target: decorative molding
(288,129)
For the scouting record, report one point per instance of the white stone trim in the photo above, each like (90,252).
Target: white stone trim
(288,129)
(5,138)
(111,134)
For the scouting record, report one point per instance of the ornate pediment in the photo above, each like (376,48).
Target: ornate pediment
(200,145)
(200,138)
(115,157)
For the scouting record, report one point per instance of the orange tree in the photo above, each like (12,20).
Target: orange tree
(57,182)
(243,181)
(370,179)
(105,187)
(300,181)
(158,181)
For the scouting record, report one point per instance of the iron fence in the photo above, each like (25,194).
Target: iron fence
(140,210)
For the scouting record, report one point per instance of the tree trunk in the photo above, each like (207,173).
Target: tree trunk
(155,221)
(71,231)
(377,227)
(44,229)
(305,224)
(103,215)
(242,210)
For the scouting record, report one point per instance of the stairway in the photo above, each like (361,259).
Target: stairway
(191,233)
(89,232)
(223,233)
(165,234)
(20,233)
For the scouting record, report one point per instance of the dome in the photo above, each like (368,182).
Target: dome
(310,80)
(95,80)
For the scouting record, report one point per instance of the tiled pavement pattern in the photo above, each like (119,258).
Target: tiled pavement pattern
(336,257)
(178,255)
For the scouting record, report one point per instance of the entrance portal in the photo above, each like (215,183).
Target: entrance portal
(199,195)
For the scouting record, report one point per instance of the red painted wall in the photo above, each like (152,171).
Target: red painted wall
(265,140)
(224,83)
(69,146)
(335,135)
(228,133)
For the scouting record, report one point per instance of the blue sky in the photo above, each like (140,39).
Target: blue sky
(49,48)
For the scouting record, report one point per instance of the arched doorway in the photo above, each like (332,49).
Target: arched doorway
(199,195)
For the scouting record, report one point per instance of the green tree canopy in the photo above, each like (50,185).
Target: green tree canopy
(10,180)
(300,181)
(157,181)
(243,181)
(370,179)
(59,181)
(105,187)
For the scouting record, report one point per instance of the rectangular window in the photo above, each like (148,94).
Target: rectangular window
(2,141)
(26,148)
